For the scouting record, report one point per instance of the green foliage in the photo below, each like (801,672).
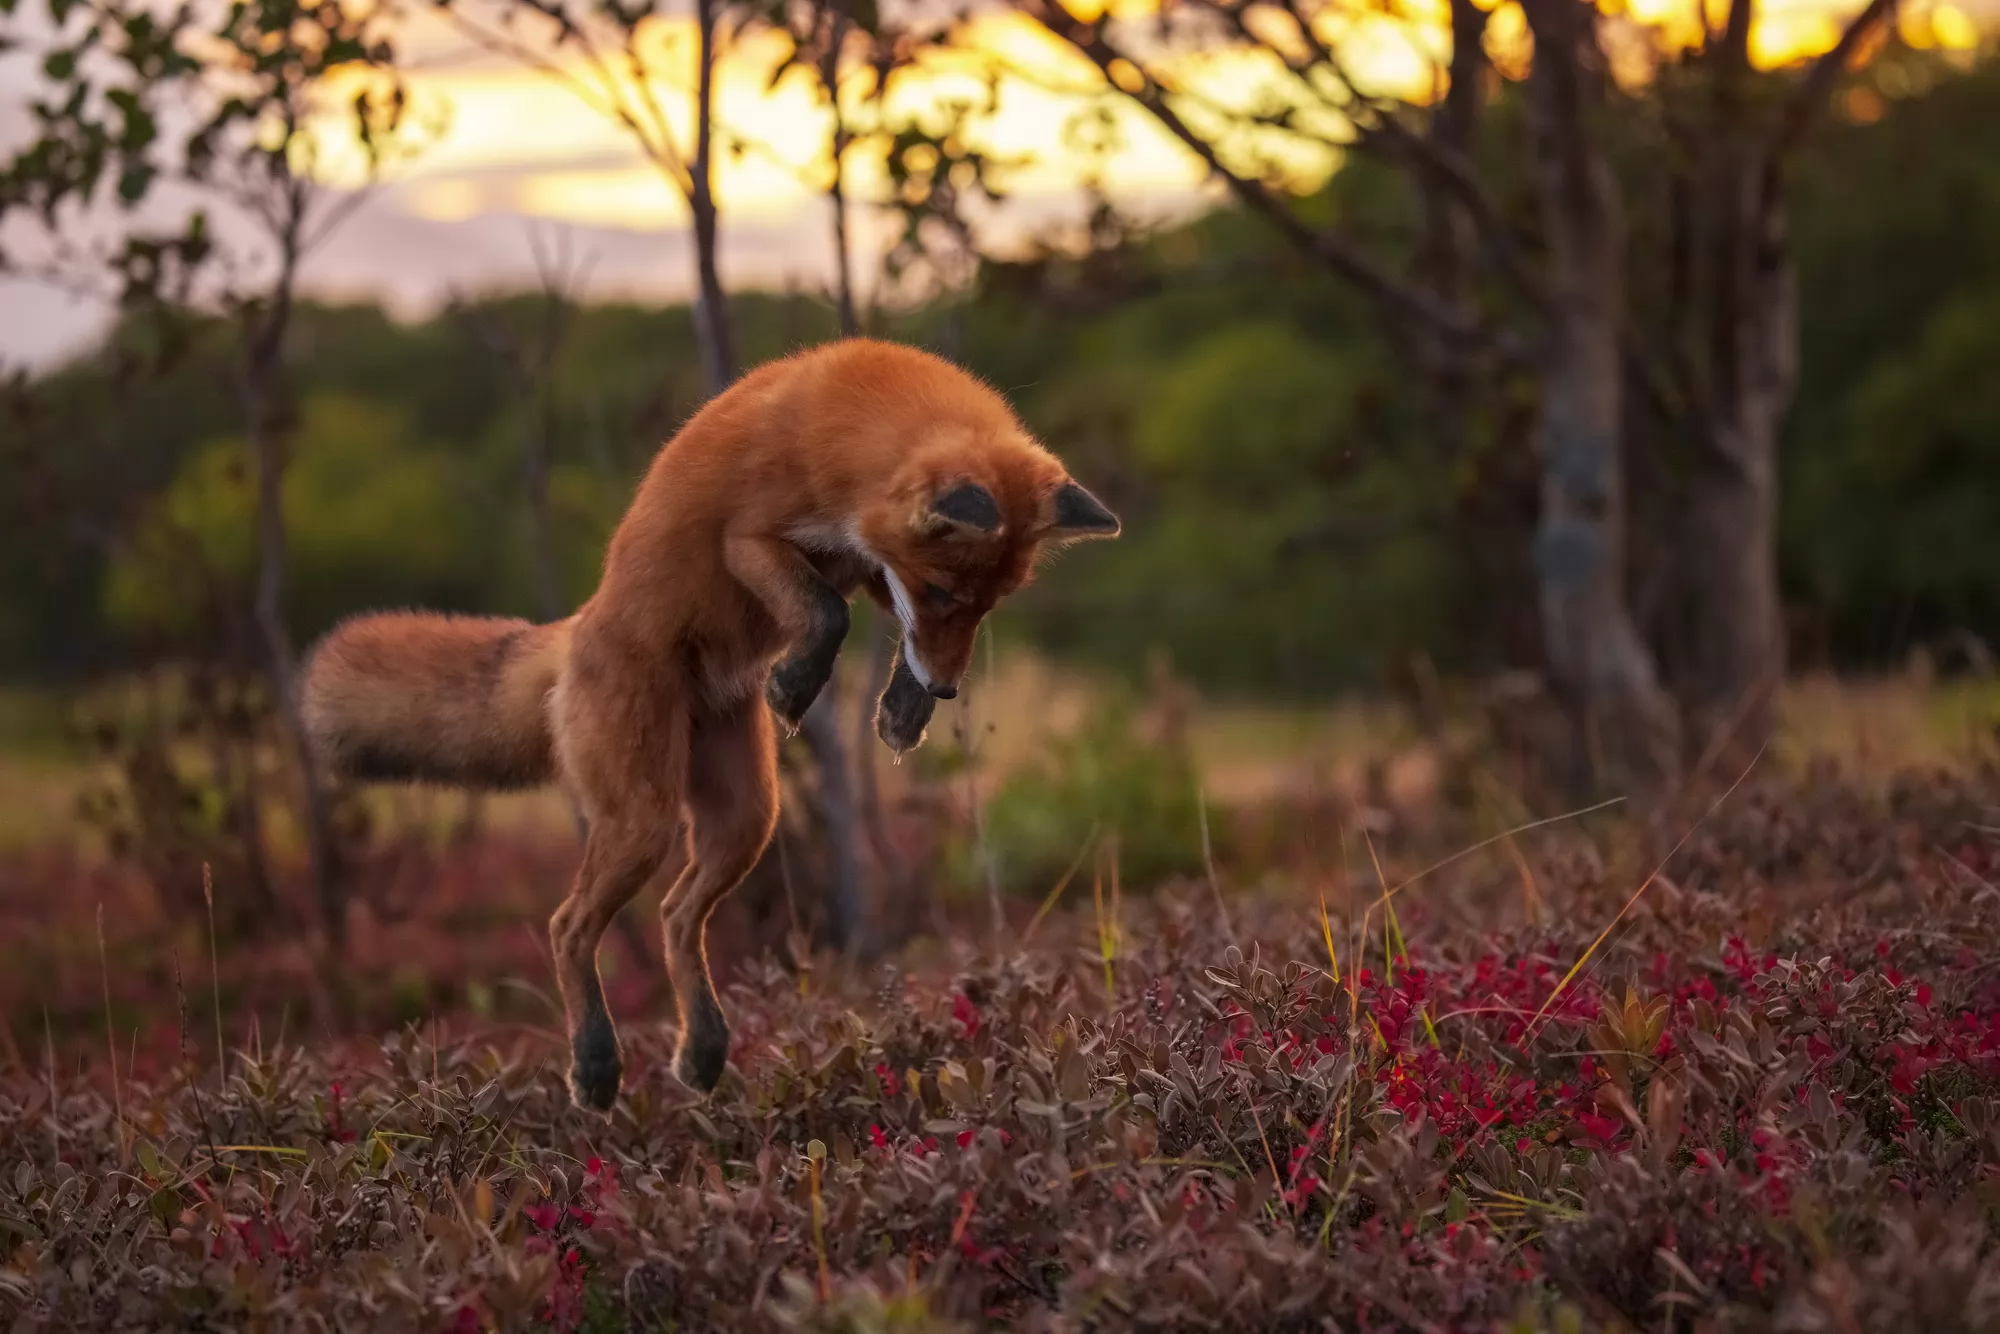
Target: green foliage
(1248,414)
(1106,781)
(182,791)
(1902,509)
(373,517)
(1278,538)
(243,88)
(1891,466)
(196,543)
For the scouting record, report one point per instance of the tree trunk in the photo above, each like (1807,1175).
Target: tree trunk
(1736,657)
(834,792)
(1747,340)
(712,323)
(843,263)
(262,371)
(540,426)
(881,650)
(1446,250)
(834,795)
(1448,368)
(1624,724)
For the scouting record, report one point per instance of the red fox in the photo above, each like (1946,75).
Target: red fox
(856,465)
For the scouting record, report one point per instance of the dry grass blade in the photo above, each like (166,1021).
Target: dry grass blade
(55,1098)
(1208,868)
(1062,883)
(1326,932)
(1504,834)
(214,973)
(1644,885)
(1107,926)
(111,1038)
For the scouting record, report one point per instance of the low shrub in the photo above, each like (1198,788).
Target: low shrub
(1107,781)
(1768,1099)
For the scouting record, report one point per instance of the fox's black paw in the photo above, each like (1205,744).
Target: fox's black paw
(793,687)
(700,1060)
(797,681)
(595,1071)
(904,710)
(594,1084)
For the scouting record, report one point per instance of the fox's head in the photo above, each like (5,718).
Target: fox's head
(965,526)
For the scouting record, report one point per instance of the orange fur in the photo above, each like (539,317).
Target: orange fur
(856,465)
(401,695)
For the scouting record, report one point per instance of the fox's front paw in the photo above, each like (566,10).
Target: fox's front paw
(793,687)
(797,681)
(904,710)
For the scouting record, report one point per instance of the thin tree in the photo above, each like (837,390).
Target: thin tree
(615,57)
(528,359)
(820,728)
(264,93)
(833,29)
(854,56)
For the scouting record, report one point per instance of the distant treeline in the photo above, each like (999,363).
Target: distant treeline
(1291,525)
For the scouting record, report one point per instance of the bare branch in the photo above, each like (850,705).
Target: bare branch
(1338,252)
(1813,91)
(1444,162)
(513,48)
(1450,169)
(1736,40)
(668,154)
(603,93)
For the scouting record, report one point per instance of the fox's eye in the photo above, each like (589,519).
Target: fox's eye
(940,597)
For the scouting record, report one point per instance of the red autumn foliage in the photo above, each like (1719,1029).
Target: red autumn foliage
(1770,1098)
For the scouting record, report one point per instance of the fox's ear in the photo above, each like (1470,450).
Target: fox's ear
(1077,515)
(966,507)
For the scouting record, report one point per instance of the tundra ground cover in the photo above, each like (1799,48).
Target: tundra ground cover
(1769,1098)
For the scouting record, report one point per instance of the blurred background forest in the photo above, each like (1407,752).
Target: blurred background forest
(1564,396)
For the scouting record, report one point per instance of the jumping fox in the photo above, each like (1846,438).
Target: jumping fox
(858,465)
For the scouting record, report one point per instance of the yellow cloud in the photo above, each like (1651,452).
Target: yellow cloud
(562,158)
(451,199)
(636,197)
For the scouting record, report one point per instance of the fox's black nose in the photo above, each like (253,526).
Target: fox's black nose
(944,692)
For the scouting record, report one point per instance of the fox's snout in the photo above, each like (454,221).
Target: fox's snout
(939,653)
(939,666)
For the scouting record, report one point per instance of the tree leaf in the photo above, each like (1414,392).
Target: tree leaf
(134,181)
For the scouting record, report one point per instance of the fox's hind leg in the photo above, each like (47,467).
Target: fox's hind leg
(619,858)
(626,759)
(732,809)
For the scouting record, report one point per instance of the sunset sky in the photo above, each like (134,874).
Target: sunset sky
(519,151)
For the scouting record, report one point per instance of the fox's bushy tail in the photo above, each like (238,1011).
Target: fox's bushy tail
(409,696)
